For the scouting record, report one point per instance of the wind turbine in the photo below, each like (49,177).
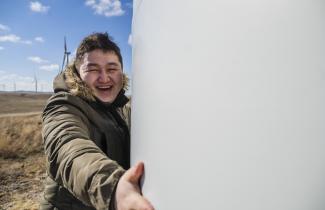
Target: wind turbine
(65,56)
(35,82)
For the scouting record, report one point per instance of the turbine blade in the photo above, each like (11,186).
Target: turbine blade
(65,45)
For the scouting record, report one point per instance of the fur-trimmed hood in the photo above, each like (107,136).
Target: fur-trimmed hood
(70,81)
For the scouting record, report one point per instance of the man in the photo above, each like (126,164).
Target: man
(86,136)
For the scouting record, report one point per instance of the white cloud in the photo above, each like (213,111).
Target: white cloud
(36,6)
(45,86)
(39,39)
(130,40)
(107,8)
(37,59)
(10,82)
(15,77)
(90,2)
(2,48)
(51,67)
(27,42)
(4,28)
(14,39)
(10,38)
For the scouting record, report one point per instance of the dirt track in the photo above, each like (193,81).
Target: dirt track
(22,102)
(21,182)
(20,114)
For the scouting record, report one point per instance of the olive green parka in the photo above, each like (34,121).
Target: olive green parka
(87,145)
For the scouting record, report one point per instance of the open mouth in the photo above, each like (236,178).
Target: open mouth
(104,87)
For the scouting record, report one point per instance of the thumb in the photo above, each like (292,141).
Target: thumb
(136,172)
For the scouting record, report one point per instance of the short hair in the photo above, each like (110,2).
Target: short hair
(95,41)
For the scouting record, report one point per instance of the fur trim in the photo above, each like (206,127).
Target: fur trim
(79,88)
(126,82)
(76,86)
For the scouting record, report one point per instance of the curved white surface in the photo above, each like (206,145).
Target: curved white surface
(228,106)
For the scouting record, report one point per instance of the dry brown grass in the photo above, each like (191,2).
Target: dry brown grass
(23,204)
(22,162)
(20,136)
(21,182)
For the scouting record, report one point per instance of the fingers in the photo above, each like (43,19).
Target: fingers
(135,173)
(141,203)
(148,205)
(128,194)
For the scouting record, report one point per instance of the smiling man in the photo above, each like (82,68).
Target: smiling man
(102,73)
(86,134)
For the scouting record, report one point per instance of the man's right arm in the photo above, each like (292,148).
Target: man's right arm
(74,161)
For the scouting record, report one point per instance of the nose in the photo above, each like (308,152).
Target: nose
(103,77)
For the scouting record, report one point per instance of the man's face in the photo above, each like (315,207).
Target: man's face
(102,72)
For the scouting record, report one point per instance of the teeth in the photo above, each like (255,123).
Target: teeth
(104,87)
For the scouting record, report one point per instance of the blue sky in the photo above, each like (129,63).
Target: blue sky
(32,34)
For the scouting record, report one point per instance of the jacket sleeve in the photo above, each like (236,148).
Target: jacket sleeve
(74,161)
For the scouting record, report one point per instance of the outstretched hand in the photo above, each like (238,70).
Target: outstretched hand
(128,194)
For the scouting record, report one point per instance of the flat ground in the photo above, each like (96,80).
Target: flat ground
(22,163)
(11,102)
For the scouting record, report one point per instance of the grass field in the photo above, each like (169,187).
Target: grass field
(22,163)
(21,102)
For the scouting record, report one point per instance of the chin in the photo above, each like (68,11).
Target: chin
(106,100)
(103,98)
(106,97)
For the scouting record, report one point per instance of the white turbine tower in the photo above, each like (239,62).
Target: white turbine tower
(65,61)
(35,82)
(228,103)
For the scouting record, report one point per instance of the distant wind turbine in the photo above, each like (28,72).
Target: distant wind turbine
(35,81)
(65,56)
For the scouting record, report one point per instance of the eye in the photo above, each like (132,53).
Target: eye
(92,70)
(112,70)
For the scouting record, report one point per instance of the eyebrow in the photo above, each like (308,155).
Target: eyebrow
(112,64)
(109,64)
